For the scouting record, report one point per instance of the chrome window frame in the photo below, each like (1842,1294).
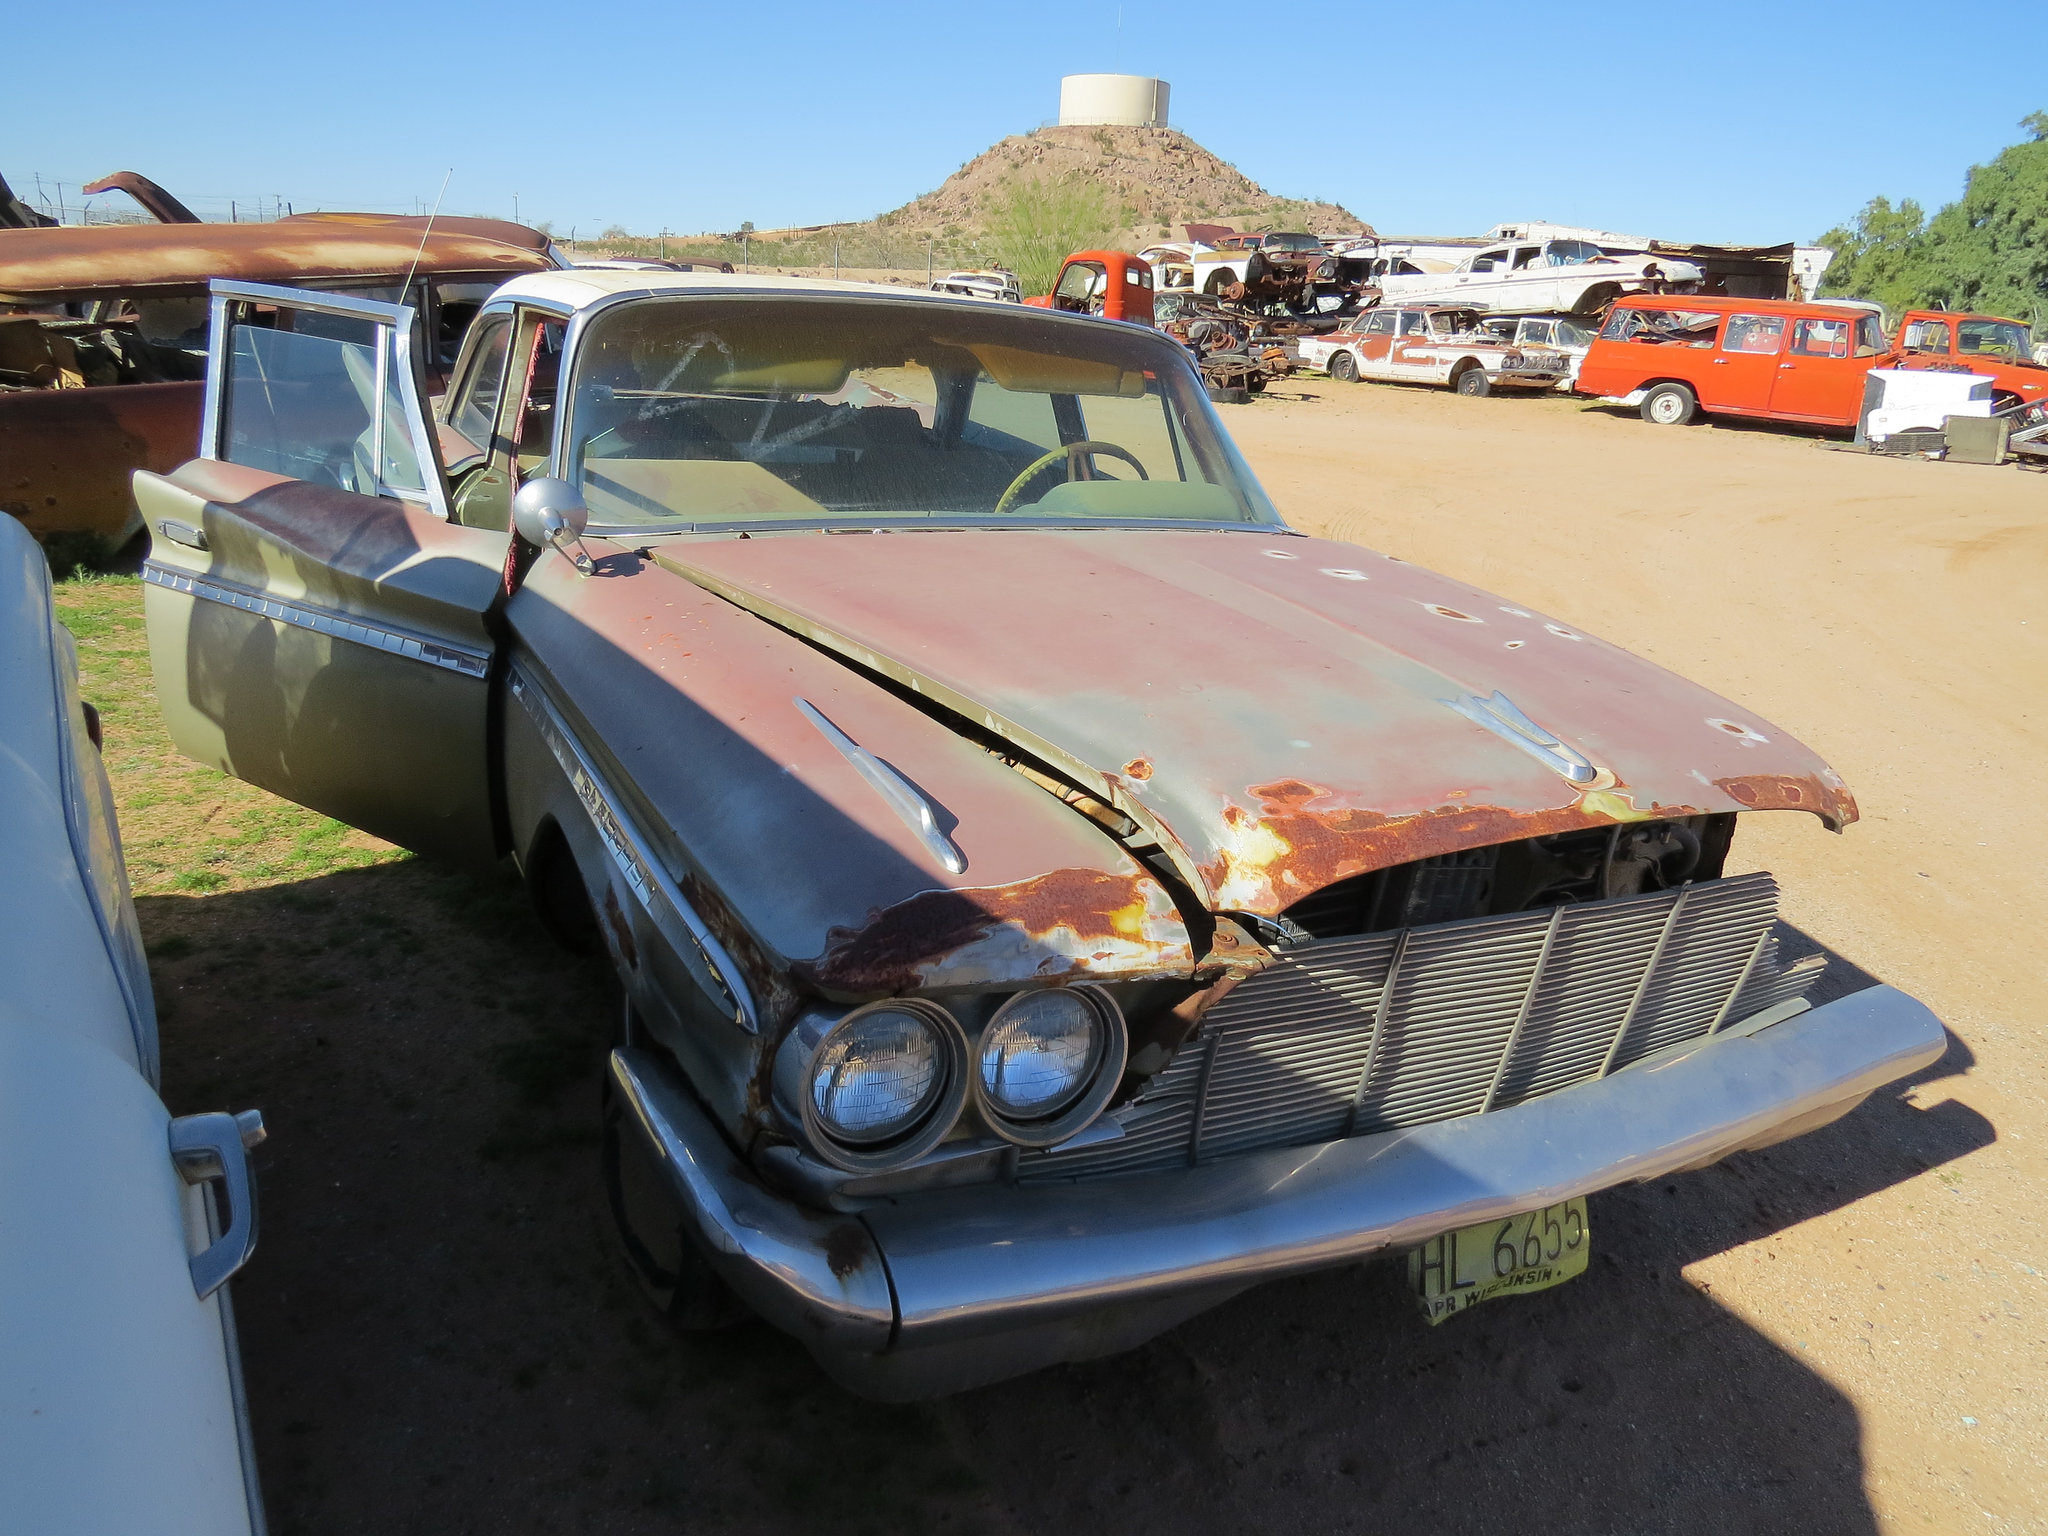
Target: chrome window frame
(394,323)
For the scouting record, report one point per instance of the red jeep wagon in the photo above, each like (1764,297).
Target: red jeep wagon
(1678,354)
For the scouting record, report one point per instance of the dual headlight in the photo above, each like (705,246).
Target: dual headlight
(882,1086)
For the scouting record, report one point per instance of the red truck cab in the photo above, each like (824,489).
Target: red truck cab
(1973,343)
(1112,284)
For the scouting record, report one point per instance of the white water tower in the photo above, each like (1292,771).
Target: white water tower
(1118,101)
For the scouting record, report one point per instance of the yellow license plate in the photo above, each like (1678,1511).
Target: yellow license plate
(1509,1257)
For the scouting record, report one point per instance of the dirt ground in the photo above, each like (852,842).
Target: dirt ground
(1841,1334)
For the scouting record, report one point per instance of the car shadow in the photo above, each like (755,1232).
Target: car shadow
(438,1335)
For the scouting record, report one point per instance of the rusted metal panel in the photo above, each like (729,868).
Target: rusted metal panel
(66,455)
(502,230)
(155,201)
(793,859)
(1293,699)
(49,265)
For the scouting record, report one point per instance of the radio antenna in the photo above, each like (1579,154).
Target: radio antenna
(428,230)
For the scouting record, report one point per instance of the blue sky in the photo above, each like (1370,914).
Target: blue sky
(1739,122)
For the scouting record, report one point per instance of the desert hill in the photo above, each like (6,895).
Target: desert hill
(1155,179)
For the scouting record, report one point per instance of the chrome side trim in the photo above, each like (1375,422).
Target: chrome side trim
(435,653)
(643,873)
(902,796)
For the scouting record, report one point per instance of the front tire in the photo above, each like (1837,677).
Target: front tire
(1474,382)
(1343,366)
(1670,405)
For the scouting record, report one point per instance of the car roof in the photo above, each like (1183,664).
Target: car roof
(68,262)
(1714,303)
(585,287)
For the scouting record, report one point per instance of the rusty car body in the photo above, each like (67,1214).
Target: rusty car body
(1433,344)
(1051,894)
(103,345)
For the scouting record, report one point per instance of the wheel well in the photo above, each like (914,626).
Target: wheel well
(1463,366)
(560,898)
(1649,384)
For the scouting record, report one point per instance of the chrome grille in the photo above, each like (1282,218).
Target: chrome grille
(1345,1037)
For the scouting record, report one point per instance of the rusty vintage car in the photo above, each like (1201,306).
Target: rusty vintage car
(103,337)
(1051,895)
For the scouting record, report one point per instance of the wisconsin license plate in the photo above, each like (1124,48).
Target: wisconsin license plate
(1510,1257)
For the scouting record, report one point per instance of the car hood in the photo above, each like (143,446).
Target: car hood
(1279,712)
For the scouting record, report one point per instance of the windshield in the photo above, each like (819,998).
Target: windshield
(1995,338)
(1291,243)
(714,413)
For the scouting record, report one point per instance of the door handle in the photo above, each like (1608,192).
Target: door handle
(216,1146)
(182,533)
(1785,365)
(1720,362)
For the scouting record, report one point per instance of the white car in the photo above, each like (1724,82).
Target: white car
(1430,344)
(1558,332)
(999,285)
(1561,277)
(120,1380)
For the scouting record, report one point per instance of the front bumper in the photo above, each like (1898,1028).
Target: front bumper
(954,1288)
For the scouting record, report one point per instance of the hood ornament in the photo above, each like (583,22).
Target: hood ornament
(900,794)
(1500,715)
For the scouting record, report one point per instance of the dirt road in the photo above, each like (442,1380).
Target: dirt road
(1842,1334)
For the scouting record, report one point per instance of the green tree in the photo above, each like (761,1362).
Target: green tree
(1036,223)
(1986,251)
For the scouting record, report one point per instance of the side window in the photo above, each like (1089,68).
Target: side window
(1623,325)
(1537,333)
(1869,337)
(1821,338)
(1414,323)
(1757,333)
(1926,336)
(535,433)
(1381,323)
(1526,257)
(1489,261)
(1078,284)
(320,387)
(483,386)
(1024,415)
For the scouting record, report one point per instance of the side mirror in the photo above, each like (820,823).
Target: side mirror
(548,512)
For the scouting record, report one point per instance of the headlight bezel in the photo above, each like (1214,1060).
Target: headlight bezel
(927,1131)
(1080,1111)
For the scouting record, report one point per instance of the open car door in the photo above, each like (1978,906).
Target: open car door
(317,624)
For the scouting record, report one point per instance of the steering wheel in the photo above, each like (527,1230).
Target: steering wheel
(1078,468)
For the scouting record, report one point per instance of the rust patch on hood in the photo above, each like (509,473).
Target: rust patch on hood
(1069,922)
(1824,794)
(1304,837)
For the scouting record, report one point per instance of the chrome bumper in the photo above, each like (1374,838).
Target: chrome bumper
(953,1288)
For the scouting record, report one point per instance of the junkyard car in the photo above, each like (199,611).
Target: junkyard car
(120,1383)
(1565,277)
(1431,344)
(103,338)
(1560,333)
(1052,894)
(998,285)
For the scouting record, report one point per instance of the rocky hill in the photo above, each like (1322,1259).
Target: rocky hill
(1156,179)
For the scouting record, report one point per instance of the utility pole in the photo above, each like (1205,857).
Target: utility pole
(744,257)
(234,213)
(515,207)
(927,261)
(835,255)
(664,242)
